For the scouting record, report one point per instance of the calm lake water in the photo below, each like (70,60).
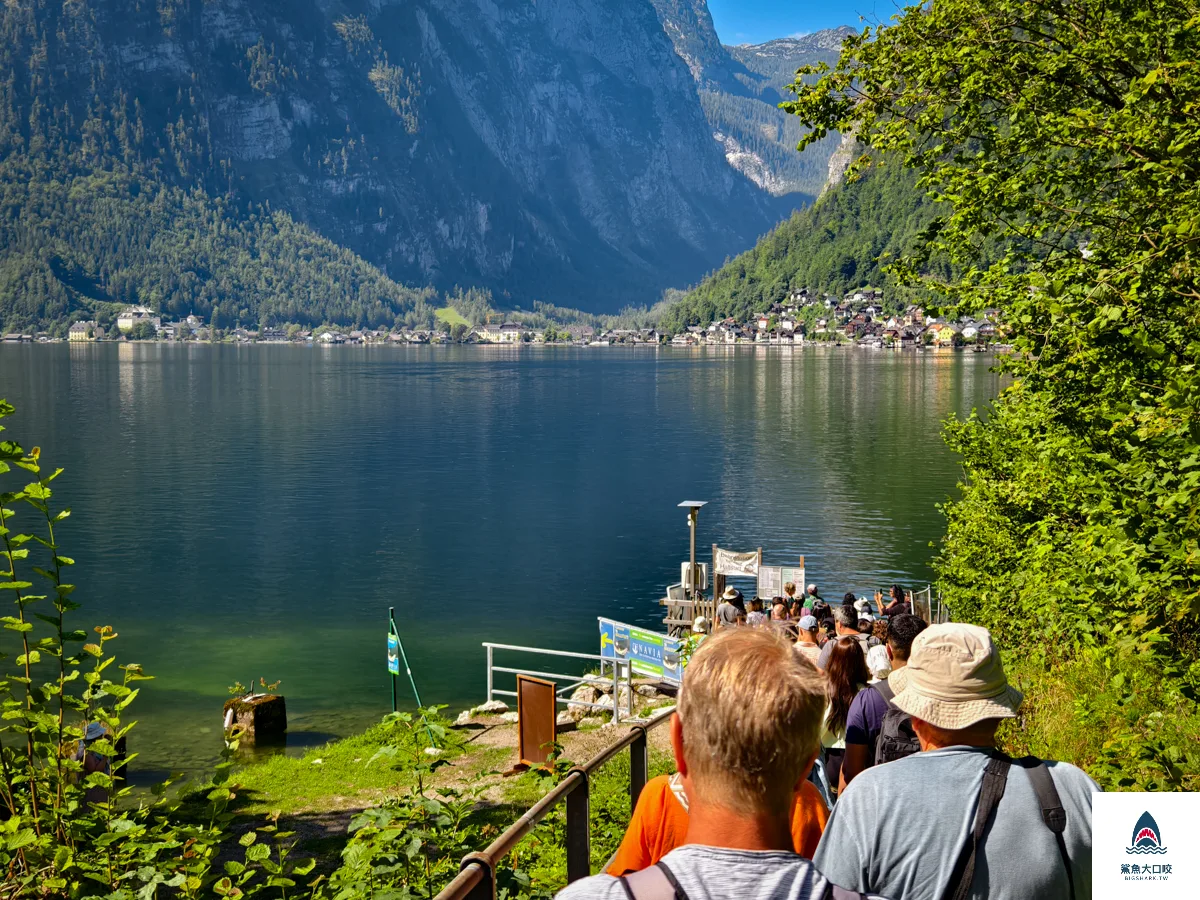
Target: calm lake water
(254,511)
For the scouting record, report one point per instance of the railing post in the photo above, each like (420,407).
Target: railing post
(629,702)
(486,888)
(616,692)
(639,767)
(579,848)
(489,668)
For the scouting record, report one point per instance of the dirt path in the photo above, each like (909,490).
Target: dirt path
(492,751)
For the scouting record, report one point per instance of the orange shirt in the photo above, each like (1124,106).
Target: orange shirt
(660,824)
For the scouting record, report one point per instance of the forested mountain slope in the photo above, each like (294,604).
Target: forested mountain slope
(845,240)
(549,151)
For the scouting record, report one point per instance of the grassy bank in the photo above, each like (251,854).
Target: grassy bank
(358,805)
(1120,717)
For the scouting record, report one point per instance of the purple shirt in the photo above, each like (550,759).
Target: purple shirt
(865,717)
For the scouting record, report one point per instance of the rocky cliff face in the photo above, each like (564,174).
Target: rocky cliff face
(552,150)
(740,89)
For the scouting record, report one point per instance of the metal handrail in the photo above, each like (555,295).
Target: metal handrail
(476,879)
(618,666)
(547,652)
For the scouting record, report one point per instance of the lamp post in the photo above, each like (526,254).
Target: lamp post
(693,508)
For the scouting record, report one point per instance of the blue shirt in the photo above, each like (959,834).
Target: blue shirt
(866,718)
(898,829)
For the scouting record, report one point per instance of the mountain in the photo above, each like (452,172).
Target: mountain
(551,151)
(845,240)
(740,89)
(777,61)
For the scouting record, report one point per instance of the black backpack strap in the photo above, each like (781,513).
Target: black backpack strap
(1053,813)
(995,777)
(655,883)
(885,691)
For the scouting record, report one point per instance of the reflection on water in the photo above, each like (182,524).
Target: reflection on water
(253,512)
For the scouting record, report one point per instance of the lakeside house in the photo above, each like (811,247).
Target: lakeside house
(132,315)
(81,331)
(507,333)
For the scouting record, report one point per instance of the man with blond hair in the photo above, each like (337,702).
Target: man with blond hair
(960,819)
(743,746)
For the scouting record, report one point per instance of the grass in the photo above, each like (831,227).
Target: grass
(317,793)
(542,855)
(452,316)
(338,775)
(1115,716)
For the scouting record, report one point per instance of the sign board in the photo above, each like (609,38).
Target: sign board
(648,653)
(770,582)
(393,654)
(794,574)
(537,706)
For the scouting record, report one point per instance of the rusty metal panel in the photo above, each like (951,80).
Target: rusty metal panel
(537,710)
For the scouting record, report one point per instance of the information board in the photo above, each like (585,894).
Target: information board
(794,574)
(648,652)
(770,582)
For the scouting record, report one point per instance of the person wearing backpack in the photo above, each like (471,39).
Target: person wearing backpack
(961,819)
(873,709)
(743,745)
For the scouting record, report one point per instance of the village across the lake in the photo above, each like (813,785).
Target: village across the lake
(860,318)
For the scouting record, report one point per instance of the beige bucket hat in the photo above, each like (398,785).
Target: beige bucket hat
(954,678)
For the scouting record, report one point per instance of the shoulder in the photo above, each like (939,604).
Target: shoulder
(867,696)
(867,703)
(594,887)
(1073,779)
(809,796)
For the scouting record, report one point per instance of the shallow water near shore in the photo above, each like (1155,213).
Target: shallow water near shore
(253,511)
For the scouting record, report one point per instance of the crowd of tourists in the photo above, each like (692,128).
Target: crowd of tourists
(831,752)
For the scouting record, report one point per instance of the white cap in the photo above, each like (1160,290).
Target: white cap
(812,588)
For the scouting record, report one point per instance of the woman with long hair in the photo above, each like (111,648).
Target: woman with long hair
(897,602)
(845,675)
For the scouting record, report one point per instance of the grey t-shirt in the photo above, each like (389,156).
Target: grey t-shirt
(827,650)
(899,828)
(727,613)
(718,873)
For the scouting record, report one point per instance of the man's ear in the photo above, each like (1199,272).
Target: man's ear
(807,769)
(889,650)
(677,744)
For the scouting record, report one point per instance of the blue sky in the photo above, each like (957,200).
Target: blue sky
(755,21)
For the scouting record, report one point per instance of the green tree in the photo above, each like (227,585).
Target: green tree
(1068,132)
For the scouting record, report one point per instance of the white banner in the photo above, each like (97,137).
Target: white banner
(726,562)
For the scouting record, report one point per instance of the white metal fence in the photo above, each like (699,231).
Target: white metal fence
(614,675)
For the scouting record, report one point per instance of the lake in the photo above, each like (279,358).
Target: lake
(246,512)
